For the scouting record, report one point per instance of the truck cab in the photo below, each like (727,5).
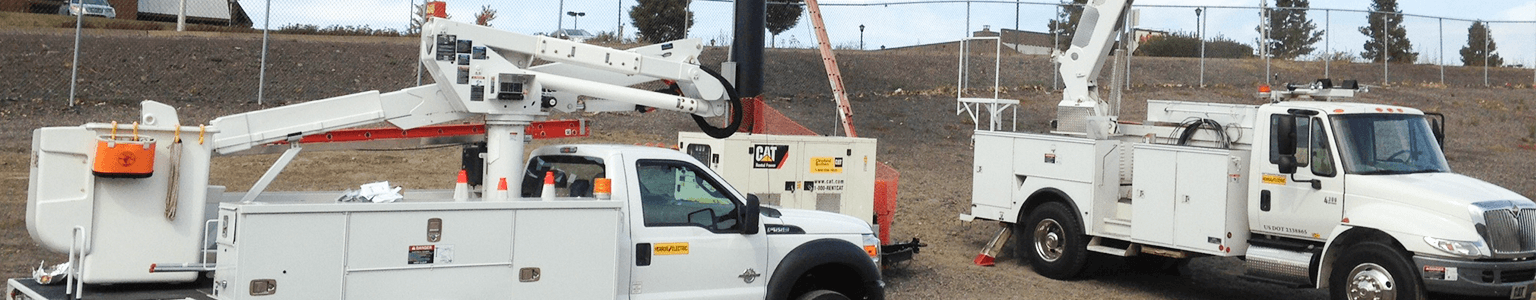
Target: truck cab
(1368,185)
(695,236)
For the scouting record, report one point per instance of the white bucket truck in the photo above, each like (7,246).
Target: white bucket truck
(1351,197)
(139,219)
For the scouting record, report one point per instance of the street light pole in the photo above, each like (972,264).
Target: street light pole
(861,36)
(559,25)
(575,18)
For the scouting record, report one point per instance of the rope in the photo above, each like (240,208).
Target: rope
(172,198)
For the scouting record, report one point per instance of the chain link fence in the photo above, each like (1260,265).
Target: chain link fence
(279,52)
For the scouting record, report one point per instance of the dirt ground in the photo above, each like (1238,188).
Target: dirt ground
(905,100)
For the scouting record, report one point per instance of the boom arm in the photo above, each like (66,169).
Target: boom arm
(1081,63)
(484,71)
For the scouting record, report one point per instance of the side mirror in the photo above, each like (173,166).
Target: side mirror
(750,215)
(1285,136)
(1288,163)
(1437,126)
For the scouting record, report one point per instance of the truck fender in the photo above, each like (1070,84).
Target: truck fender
(1044,195)
(1342,237)
(827,254)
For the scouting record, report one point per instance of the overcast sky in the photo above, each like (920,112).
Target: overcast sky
(897,25)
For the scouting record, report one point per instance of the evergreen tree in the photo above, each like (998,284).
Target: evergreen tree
(1065,23)
(782,17)
(1397,47)
(661,20)
(1480,47)
(1292,34)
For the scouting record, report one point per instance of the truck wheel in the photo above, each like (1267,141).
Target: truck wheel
(1053,240)
(1373,270)
(823,295)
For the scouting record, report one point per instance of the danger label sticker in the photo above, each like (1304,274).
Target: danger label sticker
(826,165)
(671,249)
(421,254)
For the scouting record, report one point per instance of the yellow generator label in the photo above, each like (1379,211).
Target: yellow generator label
(826,165)
(1274,179)
(671,249)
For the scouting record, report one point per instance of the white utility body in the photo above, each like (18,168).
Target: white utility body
(585,222)
(1351,197)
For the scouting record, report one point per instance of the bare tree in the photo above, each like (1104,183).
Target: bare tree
(484,17)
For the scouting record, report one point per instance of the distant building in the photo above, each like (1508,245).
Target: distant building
(1019,41)
(212,12)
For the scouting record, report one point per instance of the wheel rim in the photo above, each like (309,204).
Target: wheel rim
(1371,281)
(1048,244)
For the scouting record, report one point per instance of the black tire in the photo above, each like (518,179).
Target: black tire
(1052,238)
(822,295)
(1374,270)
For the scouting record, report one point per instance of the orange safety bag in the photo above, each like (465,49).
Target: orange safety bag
(124,156)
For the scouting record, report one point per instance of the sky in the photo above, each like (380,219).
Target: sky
(897,25)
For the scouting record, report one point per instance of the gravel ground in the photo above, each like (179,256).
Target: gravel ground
(920,135)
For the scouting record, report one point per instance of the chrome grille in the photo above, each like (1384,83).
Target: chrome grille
(1510,231)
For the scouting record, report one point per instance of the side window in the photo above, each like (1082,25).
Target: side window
(674,193)
(573,175)
(1303,130)
(1322,152)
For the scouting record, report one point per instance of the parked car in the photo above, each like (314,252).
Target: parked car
(99,8)
(569,34)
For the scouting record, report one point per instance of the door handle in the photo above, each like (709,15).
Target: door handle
(643,254)
(1264,200)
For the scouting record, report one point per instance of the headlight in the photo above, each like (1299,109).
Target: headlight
(1462,248)
(872,247)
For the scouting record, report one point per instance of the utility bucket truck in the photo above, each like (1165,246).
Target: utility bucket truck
(133,207)
(1307,190)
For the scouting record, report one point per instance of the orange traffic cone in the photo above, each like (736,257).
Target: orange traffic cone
(989,254)
(461,189)
(501,190)
(549,186)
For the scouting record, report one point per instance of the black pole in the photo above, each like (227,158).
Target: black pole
(747,49)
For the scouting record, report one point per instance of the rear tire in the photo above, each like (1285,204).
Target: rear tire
(1373,270)
(1052,238)
(822,295)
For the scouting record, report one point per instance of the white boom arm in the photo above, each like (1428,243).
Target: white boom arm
(1081,63)
(481,71)
(484,71)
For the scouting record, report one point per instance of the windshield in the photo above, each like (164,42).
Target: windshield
(1387,144)
(91,2)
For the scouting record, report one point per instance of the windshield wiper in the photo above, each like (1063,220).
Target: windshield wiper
(1383,172)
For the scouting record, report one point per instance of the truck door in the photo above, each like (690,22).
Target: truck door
(687,240)
(1288,205)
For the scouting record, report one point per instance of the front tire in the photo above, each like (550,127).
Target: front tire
(823,295)
(1373,270)
(1053,239)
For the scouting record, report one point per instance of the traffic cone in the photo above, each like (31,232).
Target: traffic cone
(501,190)
(549,186)
(989,254)
(461,189)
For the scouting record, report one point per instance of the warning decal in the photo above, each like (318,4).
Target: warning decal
(769,156)
(419,255)
(671,249)
(1274,179)
(826,165)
